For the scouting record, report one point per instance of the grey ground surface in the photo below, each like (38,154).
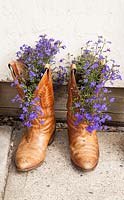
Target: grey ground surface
(58,179)
(5,136)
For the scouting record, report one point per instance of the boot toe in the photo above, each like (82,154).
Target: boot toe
(86,164)
(23,164)
(26,164)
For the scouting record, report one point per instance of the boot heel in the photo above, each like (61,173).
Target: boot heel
(52,137)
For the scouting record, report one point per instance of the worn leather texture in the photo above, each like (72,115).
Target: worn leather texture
(84,148)
(32,148)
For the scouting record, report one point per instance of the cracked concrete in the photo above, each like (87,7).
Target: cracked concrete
(58,179)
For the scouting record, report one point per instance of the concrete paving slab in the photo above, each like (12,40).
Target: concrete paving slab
(5,136)
(58,179)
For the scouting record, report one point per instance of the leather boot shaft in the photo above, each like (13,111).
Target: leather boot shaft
(32,148)
(83,145)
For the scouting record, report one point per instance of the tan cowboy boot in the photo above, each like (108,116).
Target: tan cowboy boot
(84,147)
(33,145)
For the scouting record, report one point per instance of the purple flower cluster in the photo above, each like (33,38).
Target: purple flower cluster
(94,69)
(60,75)
(35,59)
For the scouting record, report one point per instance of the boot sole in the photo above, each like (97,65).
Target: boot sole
(39,164)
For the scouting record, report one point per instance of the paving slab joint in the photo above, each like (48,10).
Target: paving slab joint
(9,160)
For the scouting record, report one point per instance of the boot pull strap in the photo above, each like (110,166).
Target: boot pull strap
(73,68)
(73,71)
(47,66)
(15,74)
(74,88)
(47,69)
(12,70)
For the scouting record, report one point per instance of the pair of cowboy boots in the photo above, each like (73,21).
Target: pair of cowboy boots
(32,148)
